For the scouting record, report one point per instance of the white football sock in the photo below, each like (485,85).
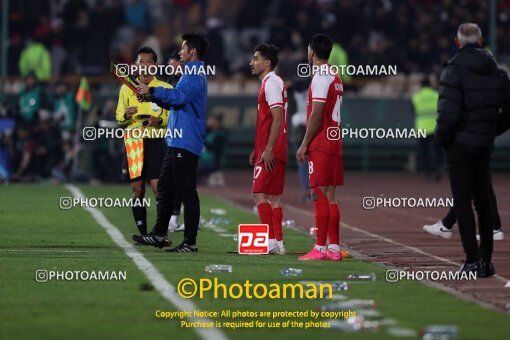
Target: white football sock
(321,248)
(334,247)
(174,220)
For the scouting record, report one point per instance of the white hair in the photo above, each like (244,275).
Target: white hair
(469,33)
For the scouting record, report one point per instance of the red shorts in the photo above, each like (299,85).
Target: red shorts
(269,182)
(325,170)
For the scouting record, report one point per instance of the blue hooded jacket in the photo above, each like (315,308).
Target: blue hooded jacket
(187,103)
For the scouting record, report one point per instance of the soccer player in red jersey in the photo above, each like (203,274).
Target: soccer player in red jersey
(322,145)
(269,155)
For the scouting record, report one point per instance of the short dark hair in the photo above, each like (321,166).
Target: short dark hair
(147,50)
(198,42)
(322,45)
(268,52)
(173,55)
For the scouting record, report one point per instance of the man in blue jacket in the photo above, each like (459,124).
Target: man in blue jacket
(185,141)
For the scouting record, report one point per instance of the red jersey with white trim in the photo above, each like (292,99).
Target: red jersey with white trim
(326,87)
(272,94)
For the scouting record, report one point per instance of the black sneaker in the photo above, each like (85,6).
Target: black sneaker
(472,267)
(168,243)
(135,239)
(149,240)
(486,269)
(183,248)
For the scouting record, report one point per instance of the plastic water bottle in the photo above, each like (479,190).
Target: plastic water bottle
(351,324)
(440,332)
(339,285)
(218,211)
(361,277)
(313,231)
(218,268)
(354,324)
(289,223)
(358,304)
(331,307)
(218,220)
(291,272)
(349,305)
(370,326)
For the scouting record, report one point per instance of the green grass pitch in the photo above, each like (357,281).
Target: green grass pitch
(36,234)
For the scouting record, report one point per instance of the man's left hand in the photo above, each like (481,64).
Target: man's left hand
(153,121)
(147,97)
(143,89)
(268,159)
(302,154)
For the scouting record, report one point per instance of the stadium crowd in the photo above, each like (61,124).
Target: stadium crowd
(80,36)
(49,39)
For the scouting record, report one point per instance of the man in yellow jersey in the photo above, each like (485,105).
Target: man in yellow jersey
(144,156)
(430,154)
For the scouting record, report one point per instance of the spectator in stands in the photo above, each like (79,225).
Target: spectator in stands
(57,50)
(339,57)
(62,172)
(425,110)
(43,30)
(116,15)
(216,54)
(47,151)
(411,35)
(64,110)
(180,14)
(76,34)
(7,127)
(212,157)
(30,99)
(35,58)
(137,14)
(14,53)
(94,59)
(21,152)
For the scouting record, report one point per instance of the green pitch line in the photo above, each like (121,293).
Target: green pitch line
(38,235)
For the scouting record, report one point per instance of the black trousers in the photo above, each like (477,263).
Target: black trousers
(450,219)
(470,180)
(178,183)
(430,157)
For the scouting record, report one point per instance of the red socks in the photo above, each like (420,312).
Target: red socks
(277,223)
(266,216)
(321,217)
(334,224)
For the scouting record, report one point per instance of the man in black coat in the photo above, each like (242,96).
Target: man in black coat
(473,109)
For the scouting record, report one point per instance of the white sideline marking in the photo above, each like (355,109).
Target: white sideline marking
(159,282)
(227,235)
(47,251)
(389,240)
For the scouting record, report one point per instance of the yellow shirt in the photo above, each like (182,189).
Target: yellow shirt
(425,108)
(128,98)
